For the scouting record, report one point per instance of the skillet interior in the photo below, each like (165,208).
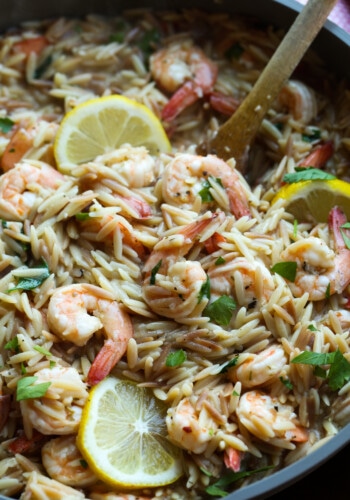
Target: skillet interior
(332,40)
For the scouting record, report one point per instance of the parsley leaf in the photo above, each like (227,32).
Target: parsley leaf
(6,124)
(154,272)
(307,174)
(287,270)
(313,135)
(12,345)
(81,216)
(176,358)
(205,290)
(345,237)
(205,193)
(229,364)
(220,260)
(33,282)
(43,351)
(220,311)
(339,371)
(26,389)
(216,489)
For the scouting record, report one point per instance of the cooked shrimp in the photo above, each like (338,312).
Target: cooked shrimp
(249,282)
(319,156)
(189,428)
(186,175)
(320,270)
(299,99)
(21,186)
(232,459)
(64,462)
(59,410)
(185,70)
(77,312)
(267,419)
(171,284)
(22,141)
(259,369)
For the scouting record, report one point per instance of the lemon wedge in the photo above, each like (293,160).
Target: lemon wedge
(122,436)
(311,201)
(103,124)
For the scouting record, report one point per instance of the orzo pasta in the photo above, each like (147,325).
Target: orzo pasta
(177,256)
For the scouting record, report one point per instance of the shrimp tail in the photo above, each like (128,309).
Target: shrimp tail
(336,220)
(232,459)
(104,362)
(319,156)
(183,97)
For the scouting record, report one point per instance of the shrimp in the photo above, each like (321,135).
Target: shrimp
(189,428)
(186,175)
(64,462)
(232,459)
(248,281)
(259,369)
(59,410)
(77,312)
(319,156)
(185,70)
(299,99)
(267,419)
(172,285)
(22,141)
(321,272)
(23,185)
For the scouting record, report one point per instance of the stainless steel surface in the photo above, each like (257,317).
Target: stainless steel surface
(333,44)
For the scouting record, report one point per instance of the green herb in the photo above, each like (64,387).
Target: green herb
(235,51)
(205,290)
(229,364)
(344,235)
(40,70)
(220,311)
(312,328)
(81,216)
(217,490)
(84,463)
(12,345)
(205,471)
(33,282)
(286,382)
(176,358)
(6,124)
(149,41)
(26,389)
(119,35)
(339,371)
(235,393)
(219,261)
(314,135)
(205,193)
(307,174)
(328,291)
(42,350)
(154,272)
(279,126)
(52,364)
(23,369)
(287,270)
(4,223)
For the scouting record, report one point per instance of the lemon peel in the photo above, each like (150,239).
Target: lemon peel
(122,436)
(103,124)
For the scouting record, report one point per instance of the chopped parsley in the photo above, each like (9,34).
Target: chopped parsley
(312,136)
(40,70)
(81,216)
(229,364)
(217,489)
(205,290)
(205,193)
(346,238)
(286,382)
(307,174)
(12,345)
(339,371)
(154,272)
(220,311)
(220,260)
(287,270)
(176,358)
(26,283)
(27,389)
(43,351)
(6,124)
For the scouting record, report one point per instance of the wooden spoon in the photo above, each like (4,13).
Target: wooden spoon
(234,137)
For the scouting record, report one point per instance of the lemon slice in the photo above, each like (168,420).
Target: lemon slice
(122,436)
(103,124)
(311,201)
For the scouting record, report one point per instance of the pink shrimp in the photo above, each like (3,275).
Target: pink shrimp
(232,459)
(320,270)
(185,70)
(77,312)
(172,284)
(186,175)
(319,156)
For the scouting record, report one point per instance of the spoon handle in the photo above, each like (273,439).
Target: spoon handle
(237,133)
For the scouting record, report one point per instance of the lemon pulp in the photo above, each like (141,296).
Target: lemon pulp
(103,124)
(122,436)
